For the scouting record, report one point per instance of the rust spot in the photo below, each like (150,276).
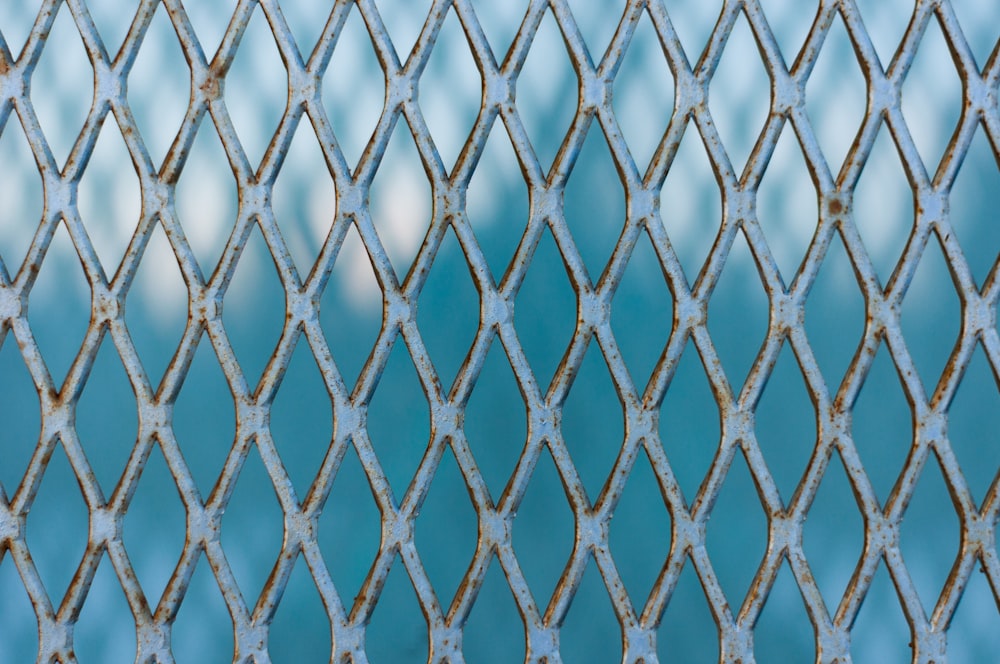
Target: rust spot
(211,86)
(836,207)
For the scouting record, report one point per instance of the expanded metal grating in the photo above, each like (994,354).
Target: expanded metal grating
(646,210)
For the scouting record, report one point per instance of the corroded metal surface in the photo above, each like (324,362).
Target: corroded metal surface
(639,618)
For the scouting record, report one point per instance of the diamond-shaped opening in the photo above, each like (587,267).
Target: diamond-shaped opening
(688,632)
(544,530)
(300,632)
(494,632)
(404,19)
(978,20)
(547,91)
(689,423)
(597,23)
(836,95)
(203,630)
(159,86)
(833,534)
(397,631)
(786,423)
(21,191)
(640,531)
(931,314)
(834,314)
(401,199)
(252,527)
(594,202)
(973,423)
(644,93)
(977,191)
(790,23)
(691,203)
(642,312)
(354,87)
(448,309)
(256,88)
(205,418)
(545,310)
(107,418)
(497,201)
(880,633)
(885,22)
(786,204)
(59,310)
(495,420)
(593,421)
(974,630)
(500,22)
(883,205)
(20,642)
(302,418)
(740,94)
(736,536)
(590,632)
(17,20)
(304,198)
(110,200)
(156,309)
(105,631)
(154,527)
(62,85)
(351,309)
(210,21)
(882,426)
(307,20)
(57,527)
(930,534)
(447,529)
(254,311)
(738,313)
(783,631)
(112,20)
(694,23)
(20,411)
(206,197)
(451,90)
(399,419)
(932,96)
(349,528)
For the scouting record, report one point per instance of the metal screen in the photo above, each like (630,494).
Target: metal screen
(497,512)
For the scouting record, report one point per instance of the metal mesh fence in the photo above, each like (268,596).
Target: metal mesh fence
(648,209)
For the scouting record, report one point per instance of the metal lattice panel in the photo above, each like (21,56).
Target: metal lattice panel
(639,617)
